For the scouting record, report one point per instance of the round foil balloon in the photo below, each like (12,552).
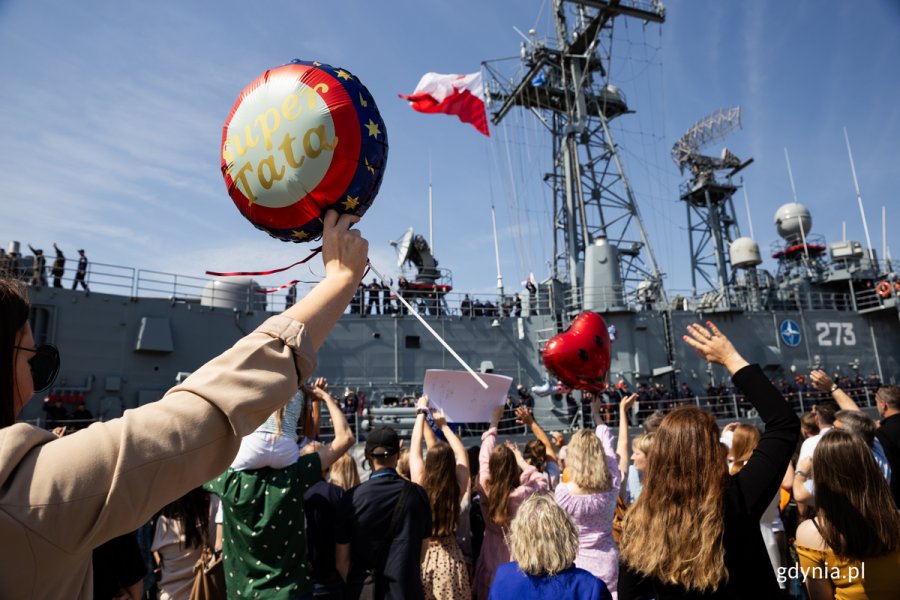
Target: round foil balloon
(301,139)
(580,356)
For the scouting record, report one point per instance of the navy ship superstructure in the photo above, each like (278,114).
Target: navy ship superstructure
(833,306)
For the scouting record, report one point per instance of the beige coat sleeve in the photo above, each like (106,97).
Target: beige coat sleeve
(81,490)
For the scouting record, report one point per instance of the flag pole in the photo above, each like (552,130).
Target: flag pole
(430,209)
(416,314)
(497,254)
(862,211)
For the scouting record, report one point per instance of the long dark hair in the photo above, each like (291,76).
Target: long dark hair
(14,309)
(442,486)
(192,511)
(504,476)
(853,501)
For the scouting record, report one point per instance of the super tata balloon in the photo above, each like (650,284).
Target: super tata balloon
(580,356)
(301,139)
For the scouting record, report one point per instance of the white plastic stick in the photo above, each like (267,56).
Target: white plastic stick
(416,314)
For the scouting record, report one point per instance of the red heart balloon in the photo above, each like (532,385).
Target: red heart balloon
(580,356)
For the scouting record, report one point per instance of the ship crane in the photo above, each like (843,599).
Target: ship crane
(712,225)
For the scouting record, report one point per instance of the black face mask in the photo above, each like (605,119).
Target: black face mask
(44,365)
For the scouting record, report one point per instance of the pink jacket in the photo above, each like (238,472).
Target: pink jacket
(494,551)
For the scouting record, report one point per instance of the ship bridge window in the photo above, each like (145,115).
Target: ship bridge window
(413,341)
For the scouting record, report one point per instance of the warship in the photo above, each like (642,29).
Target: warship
(833,305)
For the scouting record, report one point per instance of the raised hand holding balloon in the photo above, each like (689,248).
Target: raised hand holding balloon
(580,356)
(301,139)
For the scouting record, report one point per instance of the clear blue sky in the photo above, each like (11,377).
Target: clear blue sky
(112,116)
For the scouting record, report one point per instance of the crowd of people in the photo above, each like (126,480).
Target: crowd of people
(229,471)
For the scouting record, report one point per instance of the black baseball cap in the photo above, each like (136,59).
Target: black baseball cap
(382,441)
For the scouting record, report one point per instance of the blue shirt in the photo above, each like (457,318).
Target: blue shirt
(288,421)
(573,583)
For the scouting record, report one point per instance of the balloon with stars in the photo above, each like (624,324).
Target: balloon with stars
(302,139)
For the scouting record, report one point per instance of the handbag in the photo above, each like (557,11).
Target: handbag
(371,587)
(209,577)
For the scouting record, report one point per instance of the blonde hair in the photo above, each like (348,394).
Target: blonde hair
(587,464)
(643,442)
(674,531)
(743,443)
(344,473)
(542,538)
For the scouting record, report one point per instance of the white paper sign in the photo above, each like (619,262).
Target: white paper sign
(462,398)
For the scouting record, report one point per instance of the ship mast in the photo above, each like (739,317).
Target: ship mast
(594,204)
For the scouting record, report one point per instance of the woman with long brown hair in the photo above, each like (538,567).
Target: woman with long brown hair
(445,476)
(851,549)
(694,530)
(505,481)
(182,530)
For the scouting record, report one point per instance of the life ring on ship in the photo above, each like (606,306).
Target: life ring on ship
(883,289)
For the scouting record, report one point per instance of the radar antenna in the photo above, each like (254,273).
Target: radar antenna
(713,128)
(712,224)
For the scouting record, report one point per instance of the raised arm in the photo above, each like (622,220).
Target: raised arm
(312,413)
(459,451)
(488,442)
(416,464)
(118,473)
(605,436)
(525,415)
(344,252)
(343,437)
(622,449)
(761,477)
(531,479)
(430,438)
(822,382)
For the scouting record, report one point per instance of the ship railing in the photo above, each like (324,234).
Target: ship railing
(772,299)
(807,300)
(871,299)
(562,415)
(456,305)
(170,285)
(553,414)
(135,283)
(604,298)
(103,277)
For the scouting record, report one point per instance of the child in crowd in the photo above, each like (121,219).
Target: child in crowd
(274,443)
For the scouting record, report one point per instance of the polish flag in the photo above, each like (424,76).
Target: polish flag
(460,95)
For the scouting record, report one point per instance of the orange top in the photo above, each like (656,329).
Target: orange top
(876,578)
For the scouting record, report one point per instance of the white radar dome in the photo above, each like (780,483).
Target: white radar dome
(792,219)
(744,253)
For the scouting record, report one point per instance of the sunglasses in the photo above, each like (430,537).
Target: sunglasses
(44,365)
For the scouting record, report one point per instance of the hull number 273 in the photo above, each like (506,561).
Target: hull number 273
(836,334)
